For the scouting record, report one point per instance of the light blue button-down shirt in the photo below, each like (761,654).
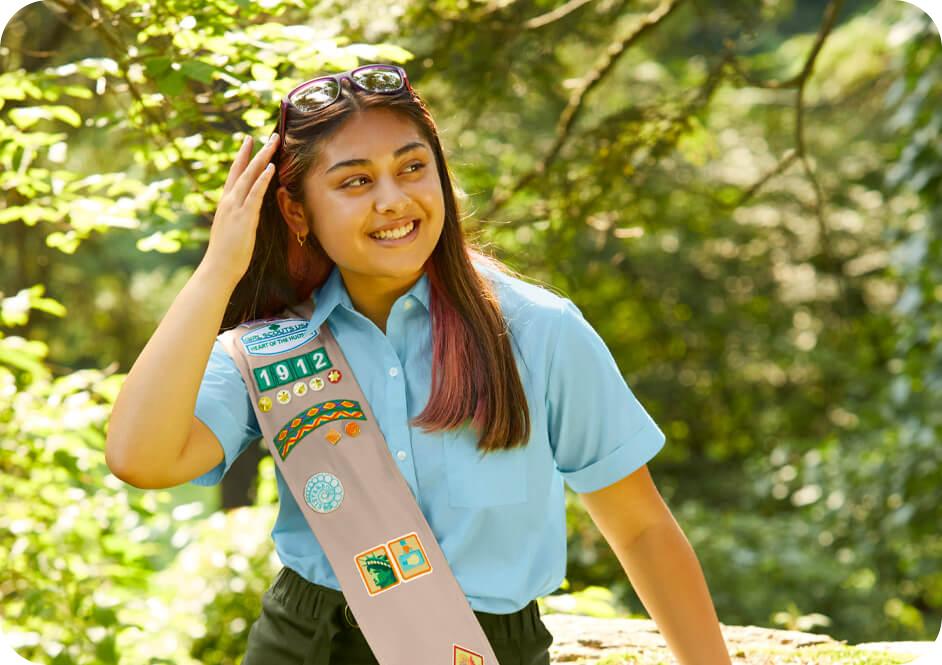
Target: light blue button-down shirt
(500,520)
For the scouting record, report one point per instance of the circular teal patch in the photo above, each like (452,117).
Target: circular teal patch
(323,492)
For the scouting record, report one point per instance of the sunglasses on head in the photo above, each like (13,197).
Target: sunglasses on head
(323,91)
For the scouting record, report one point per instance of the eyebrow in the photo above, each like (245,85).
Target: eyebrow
(365,162)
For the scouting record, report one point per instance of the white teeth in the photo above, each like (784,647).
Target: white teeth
(392,234)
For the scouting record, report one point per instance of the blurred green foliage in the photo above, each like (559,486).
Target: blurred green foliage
(783,331)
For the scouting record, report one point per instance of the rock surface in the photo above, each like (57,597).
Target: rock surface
(581,639)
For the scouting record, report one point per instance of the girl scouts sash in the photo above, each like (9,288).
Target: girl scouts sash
(323,436)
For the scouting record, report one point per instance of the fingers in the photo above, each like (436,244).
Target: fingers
(254,199)
(251,173)
(242,157)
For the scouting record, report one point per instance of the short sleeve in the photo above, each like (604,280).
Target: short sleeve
(223,404)
(598,430)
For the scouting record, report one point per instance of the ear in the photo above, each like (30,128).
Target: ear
(292,211)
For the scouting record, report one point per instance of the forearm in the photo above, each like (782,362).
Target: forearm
(664,571)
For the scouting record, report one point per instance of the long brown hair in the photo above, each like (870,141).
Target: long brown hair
(474,375)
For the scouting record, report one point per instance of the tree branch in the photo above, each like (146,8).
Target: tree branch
(119,51)
(555,15)
(799,81)
(576,101)
(800,150)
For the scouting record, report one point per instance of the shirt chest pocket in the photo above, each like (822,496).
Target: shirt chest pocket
(497,478)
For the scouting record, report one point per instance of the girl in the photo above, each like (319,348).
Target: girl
(490,392)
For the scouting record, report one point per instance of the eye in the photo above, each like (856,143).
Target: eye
(349,183)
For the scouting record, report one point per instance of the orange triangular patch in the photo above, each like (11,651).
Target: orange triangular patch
(467,657)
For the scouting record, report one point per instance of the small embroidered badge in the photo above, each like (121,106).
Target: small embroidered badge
(409,556)
(283,396)
(264,404)
(333,436)
(317,383)
(467,657)
(300,388)
(376,570)
(334,376)
(323,492)
(352,428)
(277,337)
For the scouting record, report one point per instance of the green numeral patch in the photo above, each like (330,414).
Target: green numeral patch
(291,369)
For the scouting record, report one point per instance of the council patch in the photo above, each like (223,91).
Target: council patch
(277,337)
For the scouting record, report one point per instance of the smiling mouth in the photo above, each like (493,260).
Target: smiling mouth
(397,233)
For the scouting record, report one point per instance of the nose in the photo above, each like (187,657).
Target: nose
(390,198)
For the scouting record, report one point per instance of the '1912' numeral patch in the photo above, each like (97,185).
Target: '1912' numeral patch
(291,369)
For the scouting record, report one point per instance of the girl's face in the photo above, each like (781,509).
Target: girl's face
(387,188)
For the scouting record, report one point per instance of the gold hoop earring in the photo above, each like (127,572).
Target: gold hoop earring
(300,239)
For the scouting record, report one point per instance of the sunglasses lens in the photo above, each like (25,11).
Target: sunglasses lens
(321,93)
(379,79)
(315,95)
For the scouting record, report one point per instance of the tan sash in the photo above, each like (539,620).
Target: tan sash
(323,436)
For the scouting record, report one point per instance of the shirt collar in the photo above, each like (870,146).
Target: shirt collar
(419,290)
(333,292)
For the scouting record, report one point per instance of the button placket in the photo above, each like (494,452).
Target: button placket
(397,392)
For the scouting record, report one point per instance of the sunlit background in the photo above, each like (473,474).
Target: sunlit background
(743,197)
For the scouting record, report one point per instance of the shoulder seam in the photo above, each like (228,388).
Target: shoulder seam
(555,345)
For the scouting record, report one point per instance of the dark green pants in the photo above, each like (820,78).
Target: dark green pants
(309,624)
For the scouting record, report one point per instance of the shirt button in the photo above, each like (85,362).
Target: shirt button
(401,455)
(393,371)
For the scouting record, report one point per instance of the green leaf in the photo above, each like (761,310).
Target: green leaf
(9,90)
(66,461)
(14,311)
(261,72)
(23,354)
(63,658)
(171,84)
(157,67)
(198,70)
(78,91)
(67,115)
(256,117)
(28,214)
(165,242)
(106,651)
(50,306)
(26,116)
(104,616)
(66,242)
